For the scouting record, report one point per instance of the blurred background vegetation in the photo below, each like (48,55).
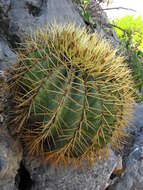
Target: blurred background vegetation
(129,30)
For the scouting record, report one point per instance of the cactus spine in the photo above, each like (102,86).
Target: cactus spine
(72,95)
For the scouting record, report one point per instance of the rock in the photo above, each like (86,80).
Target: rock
(4,6)
(138,120)
(97,177)
(133,175)
(10,151)
(34,3)
(19,17)
(25,16)
(10,157)
(7,56)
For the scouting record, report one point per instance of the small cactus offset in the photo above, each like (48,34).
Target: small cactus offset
(72,95)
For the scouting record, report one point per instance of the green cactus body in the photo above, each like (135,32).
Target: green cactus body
(73,95)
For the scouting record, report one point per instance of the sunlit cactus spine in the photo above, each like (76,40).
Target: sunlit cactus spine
(72,95)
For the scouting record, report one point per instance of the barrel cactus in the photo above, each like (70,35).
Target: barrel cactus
(72,94)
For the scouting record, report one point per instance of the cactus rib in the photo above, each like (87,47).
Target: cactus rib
(72,95)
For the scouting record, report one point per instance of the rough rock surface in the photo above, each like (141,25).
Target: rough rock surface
(19,17)
(96,177)
(132,178)
(10,157)
(10,149)
(7,57)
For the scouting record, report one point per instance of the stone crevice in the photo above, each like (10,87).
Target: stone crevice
(23,179)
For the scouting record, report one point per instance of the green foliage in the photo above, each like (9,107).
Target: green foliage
(130,35)
(72,95)
(85,13)
(133,31)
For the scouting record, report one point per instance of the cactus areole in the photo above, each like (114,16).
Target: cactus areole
(72,95)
